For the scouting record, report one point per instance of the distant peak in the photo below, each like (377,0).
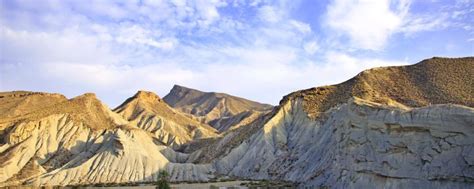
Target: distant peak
(176,86)
(181,88)
(146,95)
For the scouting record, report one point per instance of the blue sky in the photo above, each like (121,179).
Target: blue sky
(256,49)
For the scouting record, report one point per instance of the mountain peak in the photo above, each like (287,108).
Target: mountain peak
(180,87)
(147,95)
(86,97)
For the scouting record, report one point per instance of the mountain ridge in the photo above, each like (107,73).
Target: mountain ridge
(414,87)
(212,107)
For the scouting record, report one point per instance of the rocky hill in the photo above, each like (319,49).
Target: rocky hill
(222,111)
(149,112)
(431,81)
(393,127)
(81,141)
(340,137)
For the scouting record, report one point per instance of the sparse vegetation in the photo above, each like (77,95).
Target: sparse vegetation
(269,184)
(163,180)
(416,85)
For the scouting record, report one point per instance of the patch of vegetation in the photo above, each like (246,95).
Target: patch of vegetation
(269,184)
(163,180)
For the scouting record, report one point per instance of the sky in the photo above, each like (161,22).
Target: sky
(257,49)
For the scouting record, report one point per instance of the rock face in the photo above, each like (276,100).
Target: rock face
(360,134)
(361,144)
(222,111)
(394,127)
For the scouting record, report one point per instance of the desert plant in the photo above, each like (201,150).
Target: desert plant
(163,180)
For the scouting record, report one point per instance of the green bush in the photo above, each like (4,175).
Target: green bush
(163,180)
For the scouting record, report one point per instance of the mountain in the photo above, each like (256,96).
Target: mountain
(391,127)
(222,111)
(42,137)
(81,141)
(147,111)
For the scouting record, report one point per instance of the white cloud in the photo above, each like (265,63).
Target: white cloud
(300,26)
(135,34)
(367,23)
(414,24)
(66,46)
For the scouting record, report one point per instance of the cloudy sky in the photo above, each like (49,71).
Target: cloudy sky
(257,49)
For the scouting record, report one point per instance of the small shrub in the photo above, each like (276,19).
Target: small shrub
(163,180)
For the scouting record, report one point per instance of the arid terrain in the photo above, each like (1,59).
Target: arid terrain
(388,127)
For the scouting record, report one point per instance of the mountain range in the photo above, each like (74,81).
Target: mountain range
(389,127)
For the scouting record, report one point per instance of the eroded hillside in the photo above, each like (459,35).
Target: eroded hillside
(393,127)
